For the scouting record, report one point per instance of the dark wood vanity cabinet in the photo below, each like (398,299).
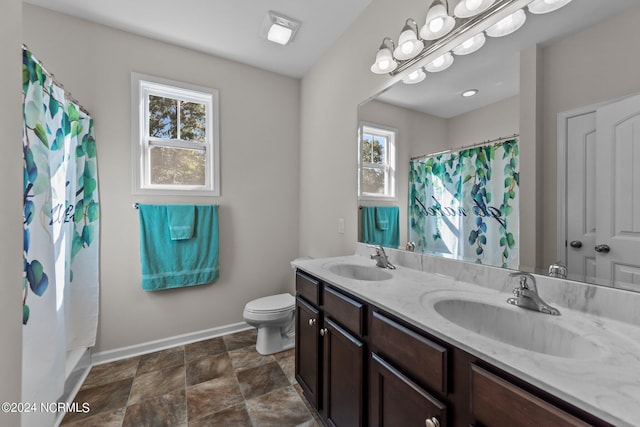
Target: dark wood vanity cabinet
(360,366)
(330,355)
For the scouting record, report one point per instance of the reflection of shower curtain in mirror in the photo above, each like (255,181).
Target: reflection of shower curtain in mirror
(60,286)
(465,204)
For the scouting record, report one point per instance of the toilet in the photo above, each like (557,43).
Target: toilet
(273,316)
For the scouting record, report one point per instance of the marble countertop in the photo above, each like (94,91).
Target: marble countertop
(603,379)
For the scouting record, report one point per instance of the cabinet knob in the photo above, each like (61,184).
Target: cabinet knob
(313,322)
(431,422)
(324,331)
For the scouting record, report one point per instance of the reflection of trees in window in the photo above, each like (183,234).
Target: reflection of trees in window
(178,121)
(373,153)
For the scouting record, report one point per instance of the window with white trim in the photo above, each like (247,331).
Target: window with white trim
(377,163)
(175,137)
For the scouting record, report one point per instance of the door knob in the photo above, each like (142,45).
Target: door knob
(431,422)
(603,249)
(313,322)
(577,244)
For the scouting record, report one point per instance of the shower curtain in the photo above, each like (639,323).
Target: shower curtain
(465,204)
(61,225)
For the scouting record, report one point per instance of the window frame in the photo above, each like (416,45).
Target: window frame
(389,167)
(141,87)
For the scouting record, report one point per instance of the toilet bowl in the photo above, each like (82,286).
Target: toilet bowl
(273,316)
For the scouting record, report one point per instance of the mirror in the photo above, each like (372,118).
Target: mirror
(581,63)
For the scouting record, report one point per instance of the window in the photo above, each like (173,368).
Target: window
(377,163)
(175,137)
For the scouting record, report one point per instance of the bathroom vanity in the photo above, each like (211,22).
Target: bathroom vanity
(378,347)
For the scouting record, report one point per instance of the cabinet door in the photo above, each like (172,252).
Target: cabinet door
(394,400)
(308,350)
(343,377)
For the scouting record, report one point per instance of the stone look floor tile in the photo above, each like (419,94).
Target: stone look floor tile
(248,357)
(111,372)
(103,398)
(222,381)
(167,410)
(213,396)
(204,348)
(161,359)
(278,408)
(261,379)
(157,383)
(209,368)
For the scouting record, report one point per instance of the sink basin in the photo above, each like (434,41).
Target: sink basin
(517,327)
(359,272)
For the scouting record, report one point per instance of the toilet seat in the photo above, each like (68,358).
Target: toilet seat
(272,304)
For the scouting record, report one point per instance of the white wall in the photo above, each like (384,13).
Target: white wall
(11,207)
(259,131)
(596,65)
(496,120)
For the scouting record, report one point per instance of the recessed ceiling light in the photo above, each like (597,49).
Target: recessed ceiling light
(278,28)
(470,92)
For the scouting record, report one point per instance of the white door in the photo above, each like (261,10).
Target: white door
(581,197)
(618,194)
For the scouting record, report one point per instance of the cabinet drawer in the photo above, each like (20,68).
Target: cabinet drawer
(346,311)
(496,402)
(396,401)
(308,287)
(420,358)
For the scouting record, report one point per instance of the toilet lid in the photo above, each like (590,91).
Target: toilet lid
(272,304)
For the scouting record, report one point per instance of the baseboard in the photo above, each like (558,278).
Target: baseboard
(152,346)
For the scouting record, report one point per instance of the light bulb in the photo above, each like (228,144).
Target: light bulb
(406,48)
(438,62)
(384,64)
(436,25)
(474,4)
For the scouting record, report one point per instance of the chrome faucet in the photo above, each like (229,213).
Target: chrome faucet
(527,295)
(381,258)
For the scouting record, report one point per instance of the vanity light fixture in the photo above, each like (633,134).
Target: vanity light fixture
(470,92)
(384,59)
(441,63)
(508,25)
(546,6)
(415,77)
(438,22)
(470,45)
(469,8)
(278,28)
(408,44)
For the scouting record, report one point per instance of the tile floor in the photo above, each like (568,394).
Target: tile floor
(218,382)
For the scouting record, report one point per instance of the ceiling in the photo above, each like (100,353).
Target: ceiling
(494,69)
(226,28)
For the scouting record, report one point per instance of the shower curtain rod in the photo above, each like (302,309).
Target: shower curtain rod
(464,147)
(67,94)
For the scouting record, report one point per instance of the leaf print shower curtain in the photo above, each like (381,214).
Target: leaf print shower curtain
(61,223)
(465,204)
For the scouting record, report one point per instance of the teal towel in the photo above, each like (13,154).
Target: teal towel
(372,234)
(382,219)
(168,263)
(181,219)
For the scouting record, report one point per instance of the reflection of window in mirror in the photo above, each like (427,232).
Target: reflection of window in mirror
(377,162)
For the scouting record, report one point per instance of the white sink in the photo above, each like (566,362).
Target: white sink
(515,326)
(359,272)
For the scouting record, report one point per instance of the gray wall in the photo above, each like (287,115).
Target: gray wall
(11,207)
(259,175)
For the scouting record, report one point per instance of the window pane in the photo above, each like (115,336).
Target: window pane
(192,121)
(373,181)
(163,117)
(373,149)
(177,166)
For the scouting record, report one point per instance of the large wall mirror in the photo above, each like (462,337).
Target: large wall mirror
(567,87)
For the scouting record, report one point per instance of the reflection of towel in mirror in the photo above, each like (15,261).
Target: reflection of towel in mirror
(374,229)
(181,219)
(382,219)
(168,263)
